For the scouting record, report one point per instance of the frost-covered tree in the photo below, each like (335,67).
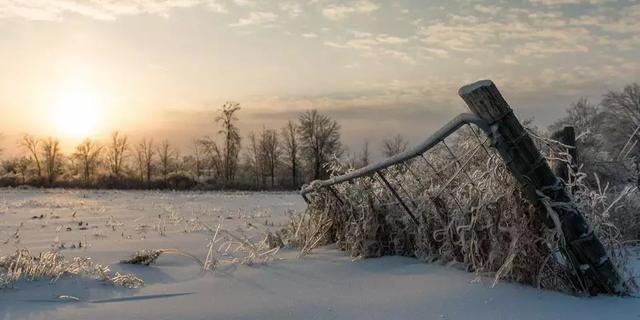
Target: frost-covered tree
(319,141)
(622,119)
(32,145)
(271,153)
(144,153)
(364,158)
(587,120)
(291,150)
(253,158)
(116,152)
(232,139)
(87,154)
(212,155)
(395,145)
(51,157)
(167,156)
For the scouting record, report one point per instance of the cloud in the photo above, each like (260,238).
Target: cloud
(492,10)
(292,9)
(566,2)
(342,11)
(54,10)
(309,35)
(375,46)
(256,18)
(244,3)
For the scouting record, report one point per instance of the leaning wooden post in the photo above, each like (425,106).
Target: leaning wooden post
(566,136)
(581,247)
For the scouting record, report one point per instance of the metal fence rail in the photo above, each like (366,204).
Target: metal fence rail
(417,151)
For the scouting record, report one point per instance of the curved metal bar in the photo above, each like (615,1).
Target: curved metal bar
(434,139)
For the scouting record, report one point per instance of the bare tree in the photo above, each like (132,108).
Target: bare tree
(231,135)
(270,152)
(197,159)
(213,155)
(393,146)
(621,112)
(364,155)
(167,158)
(587,120)
(87,153)
(319,141)
(116,152)
(625,103)
(253,158)
(50,151)
(33,145)
(144,158)
(291,149)
(23,167)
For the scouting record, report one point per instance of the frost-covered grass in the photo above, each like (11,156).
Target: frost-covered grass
(51,266)
(470,211)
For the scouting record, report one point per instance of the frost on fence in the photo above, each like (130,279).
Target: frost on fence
(447,203)
(455,198)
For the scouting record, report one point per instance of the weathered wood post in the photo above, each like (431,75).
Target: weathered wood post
(566,136)
(581,247)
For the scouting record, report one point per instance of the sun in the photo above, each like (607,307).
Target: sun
(78,113)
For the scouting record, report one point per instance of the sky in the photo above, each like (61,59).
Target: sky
(163,68)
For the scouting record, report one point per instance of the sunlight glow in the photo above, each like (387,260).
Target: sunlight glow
(78,113)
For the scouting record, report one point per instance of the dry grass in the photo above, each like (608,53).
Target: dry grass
(225,249)
(476,217)
(51,265)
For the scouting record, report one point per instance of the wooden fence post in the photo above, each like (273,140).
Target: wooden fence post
(582,248)
(566,136)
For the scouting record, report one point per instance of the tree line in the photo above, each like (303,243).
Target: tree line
(281,158)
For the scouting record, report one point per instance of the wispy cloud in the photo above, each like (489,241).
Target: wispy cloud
(256,18)
(342,11)
(52,10)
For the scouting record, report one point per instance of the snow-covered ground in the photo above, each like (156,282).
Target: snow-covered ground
(111,225)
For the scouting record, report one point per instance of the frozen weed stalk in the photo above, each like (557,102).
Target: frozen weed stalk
(478,193)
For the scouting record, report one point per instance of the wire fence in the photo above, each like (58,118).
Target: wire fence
(440,170)
(479,192)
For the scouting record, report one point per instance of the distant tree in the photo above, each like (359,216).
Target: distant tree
(625,103)
(253,158)
(622,119)
(364,158)
(587,121)
(395,145)
(22,167)
(10,166)
(319,141)
(179,163)
(87,154)
(144,157)
(167,157)
(116,152)
(270,152)
(197,159)
(231,136)
(50,152)
(33,147)
(213,156)
(291,150)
